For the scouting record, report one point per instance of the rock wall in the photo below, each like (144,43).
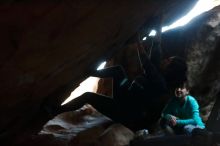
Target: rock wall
(48,47)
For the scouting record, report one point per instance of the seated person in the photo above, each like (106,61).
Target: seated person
(181,115)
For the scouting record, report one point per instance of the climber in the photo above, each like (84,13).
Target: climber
(181,115)
(133,104)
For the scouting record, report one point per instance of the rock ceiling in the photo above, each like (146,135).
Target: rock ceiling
(48,47)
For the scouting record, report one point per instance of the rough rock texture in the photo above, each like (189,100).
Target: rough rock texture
(48,47)
(203,58)
(84,127)
(198,42)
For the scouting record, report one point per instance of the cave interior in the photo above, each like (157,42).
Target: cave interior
(50,47)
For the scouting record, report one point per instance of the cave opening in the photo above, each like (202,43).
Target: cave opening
(88,85)
(200,7)
(178,23)
(53,54)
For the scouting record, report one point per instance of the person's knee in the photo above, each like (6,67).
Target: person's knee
(87,97)
(87,94)
(188,129)
(166,127)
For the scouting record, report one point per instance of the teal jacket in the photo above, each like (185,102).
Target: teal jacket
(186,114)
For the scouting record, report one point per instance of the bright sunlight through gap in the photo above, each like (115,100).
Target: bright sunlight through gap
(152,33)
(102,65)
(88,85)
(200,7)
(91,83)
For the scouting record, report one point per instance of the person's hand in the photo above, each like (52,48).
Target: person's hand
(172,120)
